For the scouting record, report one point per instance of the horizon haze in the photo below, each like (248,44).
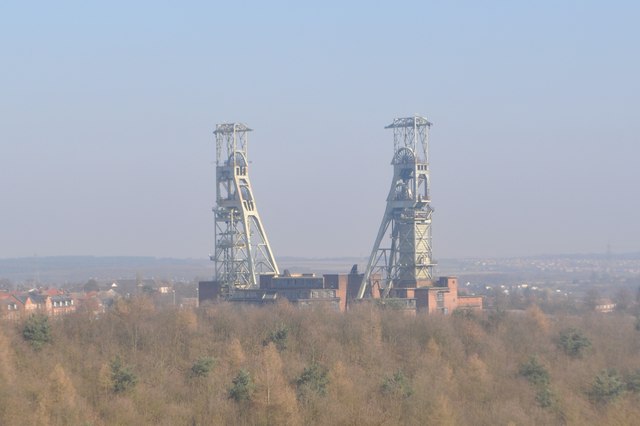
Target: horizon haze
(107,113)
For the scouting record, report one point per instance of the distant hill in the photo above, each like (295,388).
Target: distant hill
(75,269)
(70,269)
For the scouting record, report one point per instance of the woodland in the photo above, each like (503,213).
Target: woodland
(223,364)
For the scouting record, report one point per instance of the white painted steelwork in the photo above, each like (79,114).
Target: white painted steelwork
(242,250)
(407,260)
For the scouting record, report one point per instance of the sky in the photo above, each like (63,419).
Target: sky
(107,111)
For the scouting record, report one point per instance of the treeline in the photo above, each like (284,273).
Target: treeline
(280,365)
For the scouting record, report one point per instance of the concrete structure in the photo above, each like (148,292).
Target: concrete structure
(299,289)
(340,291)
(335,290)
(242,250)
(208,291)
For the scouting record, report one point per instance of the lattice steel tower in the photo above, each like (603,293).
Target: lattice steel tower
(407,261)
(242,249)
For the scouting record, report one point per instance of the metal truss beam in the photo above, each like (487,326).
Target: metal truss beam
(402,251)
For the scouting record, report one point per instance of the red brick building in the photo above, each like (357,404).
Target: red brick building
(443,297)
(341,290)
(48,302)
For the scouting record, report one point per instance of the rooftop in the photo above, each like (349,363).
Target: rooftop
(227,128)
(415,121)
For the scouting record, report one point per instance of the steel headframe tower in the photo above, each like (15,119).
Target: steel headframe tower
(242,249)
(407,262)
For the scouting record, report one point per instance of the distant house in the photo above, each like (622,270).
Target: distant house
(32,302)
(51,292)
(133,287)
(13,305)
(107,298)
(62,304)
(605,306)
(8,307)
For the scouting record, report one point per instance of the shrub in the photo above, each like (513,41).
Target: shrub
(278,337)
(534,372)
(391,303)
(574,342)
(37,331)
(633,381)
(397,385)
(202,367)
(243,387)
(545,397)
(466,314)
(313,380)
(494,319)
(607,386)
(122,377)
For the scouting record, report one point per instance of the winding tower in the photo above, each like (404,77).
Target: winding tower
(402,253)
(242,250)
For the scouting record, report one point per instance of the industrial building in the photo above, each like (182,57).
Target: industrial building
(399,272)
(334,290)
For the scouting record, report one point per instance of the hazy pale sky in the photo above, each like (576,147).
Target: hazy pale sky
(107,111)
